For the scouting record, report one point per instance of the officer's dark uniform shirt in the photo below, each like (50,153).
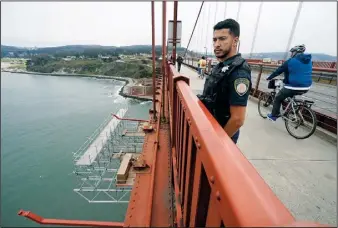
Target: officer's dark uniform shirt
(234,90)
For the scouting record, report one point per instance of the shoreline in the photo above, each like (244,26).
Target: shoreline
(122,93)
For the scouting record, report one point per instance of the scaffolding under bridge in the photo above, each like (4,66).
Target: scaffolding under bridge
(102,164)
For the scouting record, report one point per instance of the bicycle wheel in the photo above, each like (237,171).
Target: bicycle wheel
(265,104)
(302,120)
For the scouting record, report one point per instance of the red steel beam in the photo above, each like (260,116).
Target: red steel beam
(175,32)
(153,53)
(130,119)
(45,221)
(164,29)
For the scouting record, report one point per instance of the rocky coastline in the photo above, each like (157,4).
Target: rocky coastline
(123,91)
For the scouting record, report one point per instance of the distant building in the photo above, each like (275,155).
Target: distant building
(267,60)
(69,58)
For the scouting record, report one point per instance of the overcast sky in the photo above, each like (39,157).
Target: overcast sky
(116,24)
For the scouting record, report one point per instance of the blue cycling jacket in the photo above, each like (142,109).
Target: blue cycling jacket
(297,72)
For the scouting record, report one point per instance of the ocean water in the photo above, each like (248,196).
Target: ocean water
(43,120)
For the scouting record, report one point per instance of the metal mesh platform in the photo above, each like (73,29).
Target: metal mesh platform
(96,146)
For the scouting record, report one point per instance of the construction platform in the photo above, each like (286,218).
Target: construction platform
(96,146)
(104,164)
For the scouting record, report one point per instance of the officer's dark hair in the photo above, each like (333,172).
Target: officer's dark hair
(230,24)
(203,57)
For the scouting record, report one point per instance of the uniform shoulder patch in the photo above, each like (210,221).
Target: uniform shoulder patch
(241,86)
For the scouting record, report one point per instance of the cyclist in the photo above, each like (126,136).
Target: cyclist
(203,65)
(297,78)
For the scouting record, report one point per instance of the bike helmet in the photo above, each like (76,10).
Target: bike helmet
(298,49)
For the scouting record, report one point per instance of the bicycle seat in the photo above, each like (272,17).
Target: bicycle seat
(310,102)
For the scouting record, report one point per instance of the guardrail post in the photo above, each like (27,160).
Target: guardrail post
(331,79)
(258,80)
(174,78)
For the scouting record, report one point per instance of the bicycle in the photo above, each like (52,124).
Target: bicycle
(291,109)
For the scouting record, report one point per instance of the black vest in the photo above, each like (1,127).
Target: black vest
(215,96)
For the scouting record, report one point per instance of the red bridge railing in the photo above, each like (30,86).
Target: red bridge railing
(215,185)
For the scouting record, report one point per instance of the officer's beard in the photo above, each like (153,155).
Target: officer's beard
(224,54)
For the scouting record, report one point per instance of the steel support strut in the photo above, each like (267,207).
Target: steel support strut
(175,32)
(164,59)
(130,119)
(38,219)
(153,55)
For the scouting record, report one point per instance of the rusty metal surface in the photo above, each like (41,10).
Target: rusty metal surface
(213,218)
(162,208)
(137,209)
(151,198)
(140,205)
(179,219)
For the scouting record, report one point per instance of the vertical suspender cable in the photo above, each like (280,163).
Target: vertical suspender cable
(293,29)
(211,45)
(255,32)
(206,38)
(202,28)
(198,39)
(239,9)
(225,10)
(215,12)
(193,28)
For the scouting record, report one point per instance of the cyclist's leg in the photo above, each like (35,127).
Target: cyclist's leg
(280,97)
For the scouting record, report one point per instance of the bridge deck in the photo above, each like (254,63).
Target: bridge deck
(302,173)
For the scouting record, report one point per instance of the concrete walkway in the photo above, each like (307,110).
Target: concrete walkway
(302,173)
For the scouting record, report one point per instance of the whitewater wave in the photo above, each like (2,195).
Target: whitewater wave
(145,102)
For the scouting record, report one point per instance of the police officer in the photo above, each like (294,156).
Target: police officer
(227,89)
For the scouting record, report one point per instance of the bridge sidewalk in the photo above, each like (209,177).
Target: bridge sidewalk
(302,173)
